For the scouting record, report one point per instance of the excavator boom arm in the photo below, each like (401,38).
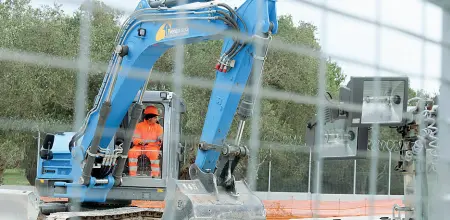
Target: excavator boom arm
(146,35)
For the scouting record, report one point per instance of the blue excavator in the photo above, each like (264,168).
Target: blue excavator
(89,167)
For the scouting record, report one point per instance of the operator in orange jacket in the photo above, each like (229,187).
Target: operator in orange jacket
(147,139)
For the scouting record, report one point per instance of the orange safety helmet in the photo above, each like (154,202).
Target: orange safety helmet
(151,110)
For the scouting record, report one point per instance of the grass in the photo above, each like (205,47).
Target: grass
(15,177)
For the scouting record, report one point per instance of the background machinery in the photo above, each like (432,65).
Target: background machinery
(346,134)
(87,166)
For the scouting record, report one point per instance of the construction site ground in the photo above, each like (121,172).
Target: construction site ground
(289,209)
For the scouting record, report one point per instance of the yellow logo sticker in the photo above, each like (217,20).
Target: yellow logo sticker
(168,30)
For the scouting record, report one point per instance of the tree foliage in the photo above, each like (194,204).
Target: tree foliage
(47,94)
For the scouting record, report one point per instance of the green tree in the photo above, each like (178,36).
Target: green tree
(34,92)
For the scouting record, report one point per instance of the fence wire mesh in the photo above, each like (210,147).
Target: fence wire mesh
(53,64)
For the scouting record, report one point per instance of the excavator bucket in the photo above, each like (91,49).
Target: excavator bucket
(201,198)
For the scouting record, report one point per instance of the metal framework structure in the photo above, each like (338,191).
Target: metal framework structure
(427,195)
(438,191)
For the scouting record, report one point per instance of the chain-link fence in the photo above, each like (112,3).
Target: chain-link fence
(276,174)
(56,68)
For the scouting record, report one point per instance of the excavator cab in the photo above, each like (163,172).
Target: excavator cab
(170,109)
(142,156)
(54,156)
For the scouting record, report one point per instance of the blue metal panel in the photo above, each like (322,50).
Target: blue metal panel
(59,167)
(142,4)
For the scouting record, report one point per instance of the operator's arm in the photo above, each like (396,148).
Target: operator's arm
(137,138)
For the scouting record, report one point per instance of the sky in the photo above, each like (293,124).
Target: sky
(353,39)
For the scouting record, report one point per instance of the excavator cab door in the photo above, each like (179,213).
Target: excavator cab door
(140,158)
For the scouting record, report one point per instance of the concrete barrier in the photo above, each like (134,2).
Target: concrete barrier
(18,204)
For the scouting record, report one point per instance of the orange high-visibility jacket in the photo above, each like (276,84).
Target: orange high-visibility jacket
(148,133)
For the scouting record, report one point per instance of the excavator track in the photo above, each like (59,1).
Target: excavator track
(124,213)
